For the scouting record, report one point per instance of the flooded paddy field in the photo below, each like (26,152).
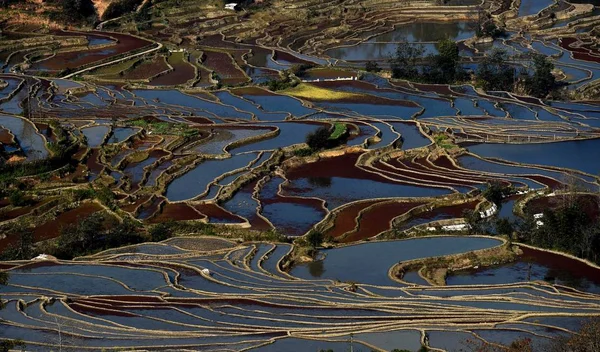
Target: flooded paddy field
(215,293)
(192,133)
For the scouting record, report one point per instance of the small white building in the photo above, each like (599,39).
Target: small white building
(232,6)
(489,212)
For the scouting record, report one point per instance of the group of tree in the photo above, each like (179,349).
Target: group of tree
(143,16)
(410,62)
(567,228)
(287,80)
(87,235)
(95,233)
(496,71)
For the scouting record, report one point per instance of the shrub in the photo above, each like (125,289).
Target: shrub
(303,152)
(81,194)
(160,232)
(11,345)
(315,238)
(495,191)
(17,198)
(372,66)
(300,70)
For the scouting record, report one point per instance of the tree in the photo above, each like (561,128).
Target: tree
(299,70)
(495,192)
(123,233)
(542,82)
(118,8)
(520,345)
(3,281)
(160,232)
(17,198)
(486,27)
(80,237)
(315,238)
(404,63)
(143,16)
(105,196)
(11,345)
(319,139)
(586,340)
(372,66)
(504,226)
(494,72)
(473,219)
(446,62)
(442,68)
(23,248)
(76,10)
(568,228)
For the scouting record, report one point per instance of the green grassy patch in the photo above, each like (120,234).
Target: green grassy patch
(443,141)
(339,129)
(161,127)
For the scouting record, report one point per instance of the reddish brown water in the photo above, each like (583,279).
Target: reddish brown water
(345,219)
(215,212)
(177,212)
(377,219)
(51,229)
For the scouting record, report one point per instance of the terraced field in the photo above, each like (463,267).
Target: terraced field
(208,293)
(177,122)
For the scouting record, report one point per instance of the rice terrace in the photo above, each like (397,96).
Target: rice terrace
(311,175)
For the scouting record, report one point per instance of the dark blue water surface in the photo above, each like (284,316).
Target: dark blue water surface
(577,155)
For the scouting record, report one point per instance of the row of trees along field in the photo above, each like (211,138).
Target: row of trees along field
(530,74)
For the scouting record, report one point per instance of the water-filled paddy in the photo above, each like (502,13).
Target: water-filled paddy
(195,182)
(30,141)
(420,31)
(369,263)
(533,265)
(548,154)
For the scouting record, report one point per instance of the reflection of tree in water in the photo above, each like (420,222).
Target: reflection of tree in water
(425,32)
(564,277)
(320,181)
(316,268)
